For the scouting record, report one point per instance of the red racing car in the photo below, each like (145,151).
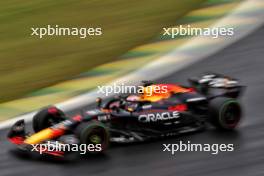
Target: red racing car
(211,99)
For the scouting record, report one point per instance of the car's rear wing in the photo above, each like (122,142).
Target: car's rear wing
(214,84)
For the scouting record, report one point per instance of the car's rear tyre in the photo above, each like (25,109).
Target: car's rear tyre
(95,133)
(225,113)
(47,117)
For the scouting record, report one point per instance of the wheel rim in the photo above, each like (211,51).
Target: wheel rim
(231,115)
(95,139)
(98,136)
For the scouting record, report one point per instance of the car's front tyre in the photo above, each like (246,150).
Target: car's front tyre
(47,117)
(94,133)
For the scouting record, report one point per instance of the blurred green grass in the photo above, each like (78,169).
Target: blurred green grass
(28,63)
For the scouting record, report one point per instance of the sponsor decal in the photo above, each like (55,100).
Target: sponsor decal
(93,112)
(146,106)
(104,117)
(164,116)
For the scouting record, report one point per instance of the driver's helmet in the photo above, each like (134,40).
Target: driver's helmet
(132,102)
(133,98)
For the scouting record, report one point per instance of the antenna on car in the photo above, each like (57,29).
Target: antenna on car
(99,101)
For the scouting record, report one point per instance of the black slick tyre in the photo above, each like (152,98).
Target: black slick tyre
(95,133)
(47,117)
(225,113)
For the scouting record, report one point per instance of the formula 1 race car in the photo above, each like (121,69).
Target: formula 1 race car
(211,99)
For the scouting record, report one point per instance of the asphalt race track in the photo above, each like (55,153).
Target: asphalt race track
(243,60)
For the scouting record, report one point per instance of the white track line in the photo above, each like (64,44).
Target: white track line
(175,60)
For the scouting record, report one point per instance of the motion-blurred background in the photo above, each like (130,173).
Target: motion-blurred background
(29,64)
